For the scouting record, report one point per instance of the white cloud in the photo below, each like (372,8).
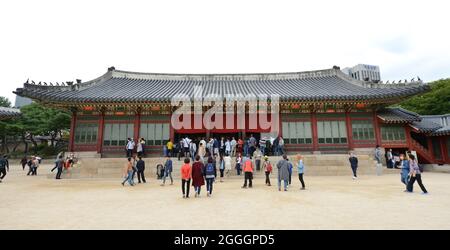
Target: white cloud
(63,40)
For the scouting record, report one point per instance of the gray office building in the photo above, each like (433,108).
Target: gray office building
(364,72)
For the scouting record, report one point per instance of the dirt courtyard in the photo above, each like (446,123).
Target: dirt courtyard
(328,203)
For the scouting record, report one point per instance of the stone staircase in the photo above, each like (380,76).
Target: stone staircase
(316,165)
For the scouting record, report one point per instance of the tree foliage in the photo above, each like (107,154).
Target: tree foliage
(434,102)
(4,102)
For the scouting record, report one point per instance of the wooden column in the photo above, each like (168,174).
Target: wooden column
(408,137)
(171,130)
(72,130)
(376,129)
(444,155)
(348,124)
(430,149)
(137,124)
(101,126)
(315,139)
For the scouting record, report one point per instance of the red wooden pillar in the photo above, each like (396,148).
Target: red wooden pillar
(430,148)
(72,131)
(315,138)
(348,124)
(444,155)
(408,137)
(137,125)
(101,126)
(376,128)
(171,130)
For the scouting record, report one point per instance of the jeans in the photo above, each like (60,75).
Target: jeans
(129,178)
(209,185)
(198,189)
(285,184)
(413,179)
(169,174)
(268,178)
(248,176)
(238,169)
(129,152)
(300,177)
(290,178)
(404,177)
(185,185)
(263,150)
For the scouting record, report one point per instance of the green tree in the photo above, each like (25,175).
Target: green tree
(434,102)
(4,102)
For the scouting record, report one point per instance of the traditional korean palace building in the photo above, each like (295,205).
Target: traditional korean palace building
(320,111)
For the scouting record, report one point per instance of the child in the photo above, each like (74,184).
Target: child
(238,164)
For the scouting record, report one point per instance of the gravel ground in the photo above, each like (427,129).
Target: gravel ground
(371,202)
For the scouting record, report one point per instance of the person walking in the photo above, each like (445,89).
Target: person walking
(34,165)
(238,164)
(169,146)
(197,175)
(227,160)
(283,172)
(353,164)
(267,166)
(248,172)
(290,168)
(233,145)
(228,147)
(404,174)
(377,154)
(415,174)
(128,173)
(210,175)
(130,147)
(192,150)
(186,176)
(140,165)
(389,159)
(23,162)
(257,156)
(4,167)
(281,145)
(59,164)
(301,170)
(202,149)
(168,168)
(240,146)
(140,147)
(222,167)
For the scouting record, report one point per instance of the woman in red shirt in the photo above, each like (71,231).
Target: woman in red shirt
(186,175)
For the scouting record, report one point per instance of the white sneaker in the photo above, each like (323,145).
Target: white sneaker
(354,178)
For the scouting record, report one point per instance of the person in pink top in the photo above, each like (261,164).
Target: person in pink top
(186,175)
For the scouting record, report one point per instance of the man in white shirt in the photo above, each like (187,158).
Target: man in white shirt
(186,144)
(130,147)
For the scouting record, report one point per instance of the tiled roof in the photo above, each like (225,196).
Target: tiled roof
(6,113)
(442,123)
(425,126)
(398,115)
(122,86)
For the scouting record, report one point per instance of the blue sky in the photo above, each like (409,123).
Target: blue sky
(58,41)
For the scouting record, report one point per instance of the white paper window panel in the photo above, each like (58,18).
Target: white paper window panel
(320,127)
(151,131)
(115,132)
(334,130)
(327,129)
(293,130)
(123,132)
(308,132)
(300,130)
(107,133)
(285,127)
(166,131)
(342,129)
(158,131)
(143,133)
(130,130)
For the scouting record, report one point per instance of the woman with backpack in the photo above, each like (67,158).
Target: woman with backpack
(267,166)
(210,175)
(415,174)
(197,175)
(301,171)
